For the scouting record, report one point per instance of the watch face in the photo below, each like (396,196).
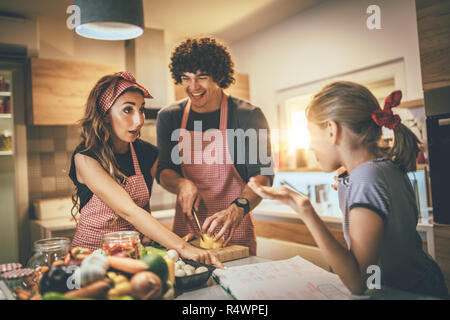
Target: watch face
(242,201)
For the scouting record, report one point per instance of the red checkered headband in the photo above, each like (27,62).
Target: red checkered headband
(126,81)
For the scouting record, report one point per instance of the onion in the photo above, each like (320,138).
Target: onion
(146,285)
(173,254)
(180,273)
(201,269)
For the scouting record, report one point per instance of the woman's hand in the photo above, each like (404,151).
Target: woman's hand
(200,255)
(296,201)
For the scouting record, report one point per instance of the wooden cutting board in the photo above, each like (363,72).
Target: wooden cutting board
(228,253)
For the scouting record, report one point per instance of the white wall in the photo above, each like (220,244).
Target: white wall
(58,42)
(325,41)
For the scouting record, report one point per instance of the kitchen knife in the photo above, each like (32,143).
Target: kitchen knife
(198,223)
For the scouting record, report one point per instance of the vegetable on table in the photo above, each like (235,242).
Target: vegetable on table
(146,285)
(154,251)
(127,265)
(93,268)
(97,289)
(59,296)
(158,265)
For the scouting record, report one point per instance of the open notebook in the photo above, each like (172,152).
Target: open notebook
(291,279)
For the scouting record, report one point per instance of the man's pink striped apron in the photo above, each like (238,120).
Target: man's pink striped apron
(218,184)
(97,219)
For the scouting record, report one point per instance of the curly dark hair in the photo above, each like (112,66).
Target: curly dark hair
(204,54)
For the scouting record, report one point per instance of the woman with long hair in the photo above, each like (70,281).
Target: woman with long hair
(376,198)
(113,169)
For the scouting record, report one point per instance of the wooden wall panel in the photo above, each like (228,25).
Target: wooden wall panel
(433,24)
(442,249)
(292,232)
(60,89)
(240,88)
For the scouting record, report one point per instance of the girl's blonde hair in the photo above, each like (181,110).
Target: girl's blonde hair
(352,105)
(96,133)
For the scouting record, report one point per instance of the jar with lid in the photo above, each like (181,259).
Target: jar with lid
(47,251)
(21,283)
(123,243)
(9,267)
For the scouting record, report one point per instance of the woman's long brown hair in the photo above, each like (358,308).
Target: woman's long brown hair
(96,133)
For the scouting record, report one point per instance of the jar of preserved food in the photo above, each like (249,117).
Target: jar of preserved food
(21,283)
(9,267)
(47,251)
(123,243)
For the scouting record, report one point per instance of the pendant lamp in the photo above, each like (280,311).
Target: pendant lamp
(110,19)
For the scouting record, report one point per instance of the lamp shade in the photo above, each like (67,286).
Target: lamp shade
(110,19)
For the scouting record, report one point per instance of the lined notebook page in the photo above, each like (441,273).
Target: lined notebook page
(291,279)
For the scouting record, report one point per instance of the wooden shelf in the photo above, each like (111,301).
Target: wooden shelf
(5,116)
(5,93)
(412,104)
(6,153)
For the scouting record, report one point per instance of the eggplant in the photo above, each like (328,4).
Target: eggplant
(55,280)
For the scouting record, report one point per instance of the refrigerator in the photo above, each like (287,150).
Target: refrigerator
(437,110)
(14,196)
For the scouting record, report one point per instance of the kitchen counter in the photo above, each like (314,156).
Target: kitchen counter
(213,291)
(283,213)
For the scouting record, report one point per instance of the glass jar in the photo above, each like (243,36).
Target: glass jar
(9,267)
(21,283)
(47,251)
(122,243)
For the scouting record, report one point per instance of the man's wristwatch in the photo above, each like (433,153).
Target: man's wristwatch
(243,203)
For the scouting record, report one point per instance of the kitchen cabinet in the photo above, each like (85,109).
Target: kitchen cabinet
(60,89)
(239,89)
(433,25)
(442,241)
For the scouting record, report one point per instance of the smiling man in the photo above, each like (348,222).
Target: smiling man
(216,190)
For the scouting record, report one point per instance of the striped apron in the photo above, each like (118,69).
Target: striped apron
(97,219)
(218,184)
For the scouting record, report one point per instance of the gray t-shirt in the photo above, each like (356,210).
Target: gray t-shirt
(381,186)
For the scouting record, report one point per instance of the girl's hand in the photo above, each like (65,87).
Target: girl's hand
(296,201)
(200,255)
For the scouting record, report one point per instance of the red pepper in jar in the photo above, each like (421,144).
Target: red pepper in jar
(129,249)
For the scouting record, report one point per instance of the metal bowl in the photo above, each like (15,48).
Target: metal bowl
(194,280)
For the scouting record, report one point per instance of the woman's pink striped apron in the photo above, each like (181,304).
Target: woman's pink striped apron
(97,219)
(218,184)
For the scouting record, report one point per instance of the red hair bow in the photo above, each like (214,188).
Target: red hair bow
(386,118)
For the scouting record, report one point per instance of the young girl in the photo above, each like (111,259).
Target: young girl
(376,196)
(113,170)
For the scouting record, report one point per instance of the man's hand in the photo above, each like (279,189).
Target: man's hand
(188,197)
(230,218)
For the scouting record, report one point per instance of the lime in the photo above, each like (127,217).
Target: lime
(158,265)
